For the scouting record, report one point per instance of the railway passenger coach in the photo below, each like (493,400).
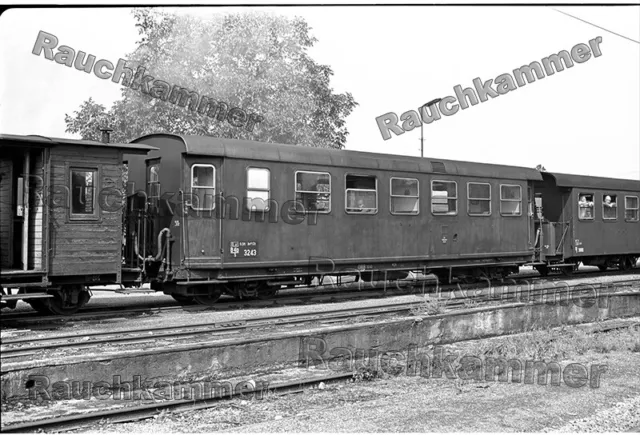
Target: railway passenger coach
(591,220)
(254,216)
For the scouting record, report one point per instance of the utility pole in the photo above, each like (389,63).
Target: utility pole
(436,101)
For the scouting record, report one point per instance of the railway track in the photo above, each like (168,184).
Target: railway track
(287,297)
(30,346)
(27,346)
(298,296)
(144,410)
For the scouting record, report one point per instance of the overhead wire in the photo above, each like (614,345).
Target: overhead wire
(595,25)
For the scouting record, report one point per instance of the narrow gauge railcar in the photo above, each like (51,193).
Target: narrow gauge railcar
(60,219)
(245,218)
(592,220)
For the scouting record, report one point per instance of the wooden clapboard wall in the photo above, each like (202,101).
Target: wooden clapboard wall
(36,210)
(6,213)
(87,246)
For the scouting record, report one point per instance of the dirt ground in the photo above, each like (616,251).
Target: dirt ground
(425,404)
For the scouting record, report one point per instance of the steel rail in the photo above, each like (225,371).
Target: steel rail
(108,312)
(147,334)
(198,329)
(144,411)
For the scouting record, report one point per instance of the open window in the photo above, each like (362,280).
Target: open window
(83,193)
(361,194)
(405,196)
(631,208)
(258,189)
(444,197)
(609,207)
(313,192)
(203,186)
(510,200)
(479,199)
(585,206)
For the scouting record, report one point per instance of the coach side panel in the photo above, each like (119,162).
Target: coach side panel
(86,233)
(601,226)
(434,234)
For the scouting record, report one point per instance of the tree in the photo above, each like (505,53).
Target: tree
(253,61)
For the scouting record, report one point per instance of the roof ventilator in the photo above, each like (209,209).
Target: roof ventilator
(438,167)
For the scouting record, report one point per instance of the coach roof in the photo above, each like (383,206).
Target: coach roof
(52,141)
(585,182)
(251,150)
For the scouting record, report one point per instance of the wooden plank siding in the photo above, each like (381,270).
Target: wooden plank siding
(6,212)
(36,210)
(89,246)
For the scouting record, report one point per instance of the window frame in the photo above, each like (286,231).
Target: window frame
(346,194)
(637,209)
(156,161)
(606,219)
(490,199)
(296,191)
(213,202)
(95,215)
(391,196)
(448,198)
(593,215)
(261,189)
(511,200)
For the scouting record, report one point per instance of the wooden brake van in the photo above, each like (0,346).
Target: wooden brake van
(60,219)
(244,217)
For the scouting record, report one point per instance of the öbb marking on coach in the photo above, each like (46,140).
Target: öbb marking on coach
(203,216)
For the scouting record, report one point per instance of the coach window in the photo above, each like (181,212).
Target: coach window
(585,206)
(510,200)
(203,187)
(444,197)
(631,208)
(479,199)
(609,207)
(361,194)
(83,193)
(258,189)
(153,177)
(313,191)
(405,196)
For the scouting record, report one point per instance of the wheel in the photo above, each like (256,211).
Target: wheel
(543,270)
(68,300)
(266,292)
(208,295)
(626,263)
(602,267)
(183,300)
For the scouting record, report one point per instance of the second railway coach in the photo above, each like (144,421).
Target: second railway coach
(592,220)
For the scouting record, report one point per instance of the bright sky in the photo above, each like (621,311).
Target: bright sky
(583,120)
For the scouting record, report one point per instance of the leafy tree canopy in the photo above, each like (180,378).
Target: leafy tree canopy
(254,61)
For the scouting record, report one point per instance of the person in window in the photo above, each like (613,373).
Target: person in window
(586,207)
(362,208)
(608,208)
(607,202)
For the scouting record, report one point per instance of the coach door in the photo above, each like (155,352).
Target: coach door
(202,227)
